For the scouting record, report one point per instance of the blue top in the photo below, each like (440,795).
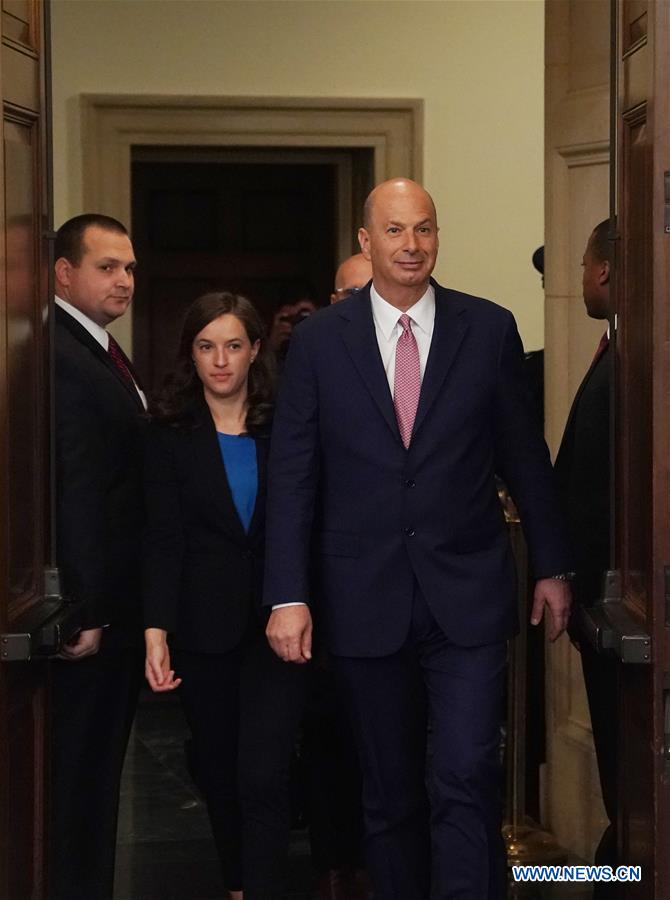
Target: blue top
(238,452)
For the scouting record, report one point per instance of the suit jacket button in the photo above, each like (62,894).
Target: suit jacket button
(410,483)
(409,532)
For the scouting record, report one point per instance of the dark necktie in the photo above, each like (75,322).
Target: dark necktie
(602,346)
(119,361)
(407,381)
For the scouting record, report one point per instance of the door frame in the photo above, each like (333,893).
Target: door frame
(112,124)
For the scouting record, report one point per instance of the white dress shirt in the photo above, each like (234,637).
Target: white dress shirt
(388,330)
(96,331)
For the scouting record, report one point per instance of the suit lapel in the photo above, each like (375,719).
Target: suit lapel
(448,333)
(84,337)
(361,342)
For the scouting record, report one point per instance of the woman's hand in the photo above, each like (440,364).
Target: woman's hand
(157,663)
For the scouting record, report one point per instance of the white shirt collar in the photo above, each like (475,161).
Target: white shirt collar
(95,330)
(386,316)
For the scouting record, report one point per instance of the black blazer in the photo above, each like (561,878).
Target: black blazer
(583,475)
(201,571)
(99,508)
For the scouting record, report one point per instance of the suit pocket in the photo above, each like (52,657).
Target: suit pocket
(338,543)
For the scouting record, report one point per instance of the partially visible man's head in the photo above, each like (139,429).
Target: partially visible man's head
(352,274)
(596,272)
(94,266)
(399,237)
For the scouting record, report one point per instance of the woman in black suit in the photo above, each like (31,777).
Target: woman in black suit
(205,489)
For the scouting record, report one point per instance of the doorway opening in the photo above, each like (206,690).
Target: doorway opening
(268,223)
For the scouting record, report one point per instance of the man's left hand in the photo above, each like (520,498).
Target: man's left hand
(556,595)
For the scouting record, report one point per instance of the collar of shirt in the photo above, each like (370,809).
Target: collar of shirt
(92,327)
(387,329)
(96,331)
(386,316)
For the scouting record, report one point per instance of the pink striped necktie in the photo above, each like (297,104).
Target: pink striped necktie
(407,383)
(118,359)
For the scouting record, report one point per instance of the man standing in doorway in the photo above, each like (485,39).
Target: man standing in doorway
(398,408)
(98,521)
(583,473)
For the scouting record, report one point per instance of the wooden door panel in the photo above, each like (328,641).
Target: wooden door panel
(26,780)
(20,22)
(24,458)
(643,431)
(634,341)
(25,432)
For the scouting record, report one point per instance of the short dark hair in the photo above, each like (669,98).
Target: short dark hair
(183,386)
(599,242)
(70,236)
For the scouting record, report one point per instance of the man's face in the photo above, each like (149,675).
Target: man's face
(595,284)
(102,285)
(401,239)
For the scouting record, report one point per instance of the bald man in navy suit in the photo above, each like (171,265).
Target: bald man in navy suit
(398,408)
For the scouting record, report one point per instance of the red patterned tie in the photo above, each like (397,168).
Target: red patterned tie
(407,384)
(117,358)
(602,346)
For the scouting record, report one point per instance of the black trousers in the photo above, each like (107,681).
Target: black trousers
(243,709)
(93,704)
(333,772)
(601,681)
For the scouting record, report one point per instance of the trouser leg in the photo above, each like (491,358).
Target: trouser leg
(209,694)
(93,705)
(387,701)
(272,700)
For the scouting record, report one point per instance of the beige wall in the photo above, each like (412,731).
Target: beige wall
(477,64)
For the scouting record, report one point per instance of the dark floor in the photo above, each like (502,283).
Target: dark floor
(164,848)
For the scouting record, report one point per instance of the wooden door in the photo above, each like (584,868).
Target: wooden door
(260,229)
(24,452)
(641,202)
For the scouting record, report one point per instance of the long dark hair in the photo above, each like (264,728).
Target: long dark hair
(176,402)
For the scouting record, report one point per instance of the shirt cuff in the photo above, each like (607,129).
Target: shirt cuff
(282,605)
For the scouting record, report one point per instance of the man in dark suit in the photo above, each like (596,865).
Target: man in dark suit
(398,407)
(583,473)
(98,522)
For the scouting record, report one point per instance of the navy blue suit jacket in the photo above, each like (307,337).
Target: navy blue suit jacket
(378,517)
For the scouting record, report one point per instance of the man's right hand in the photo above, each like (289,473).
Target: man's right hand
(85,643)
(289,632)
